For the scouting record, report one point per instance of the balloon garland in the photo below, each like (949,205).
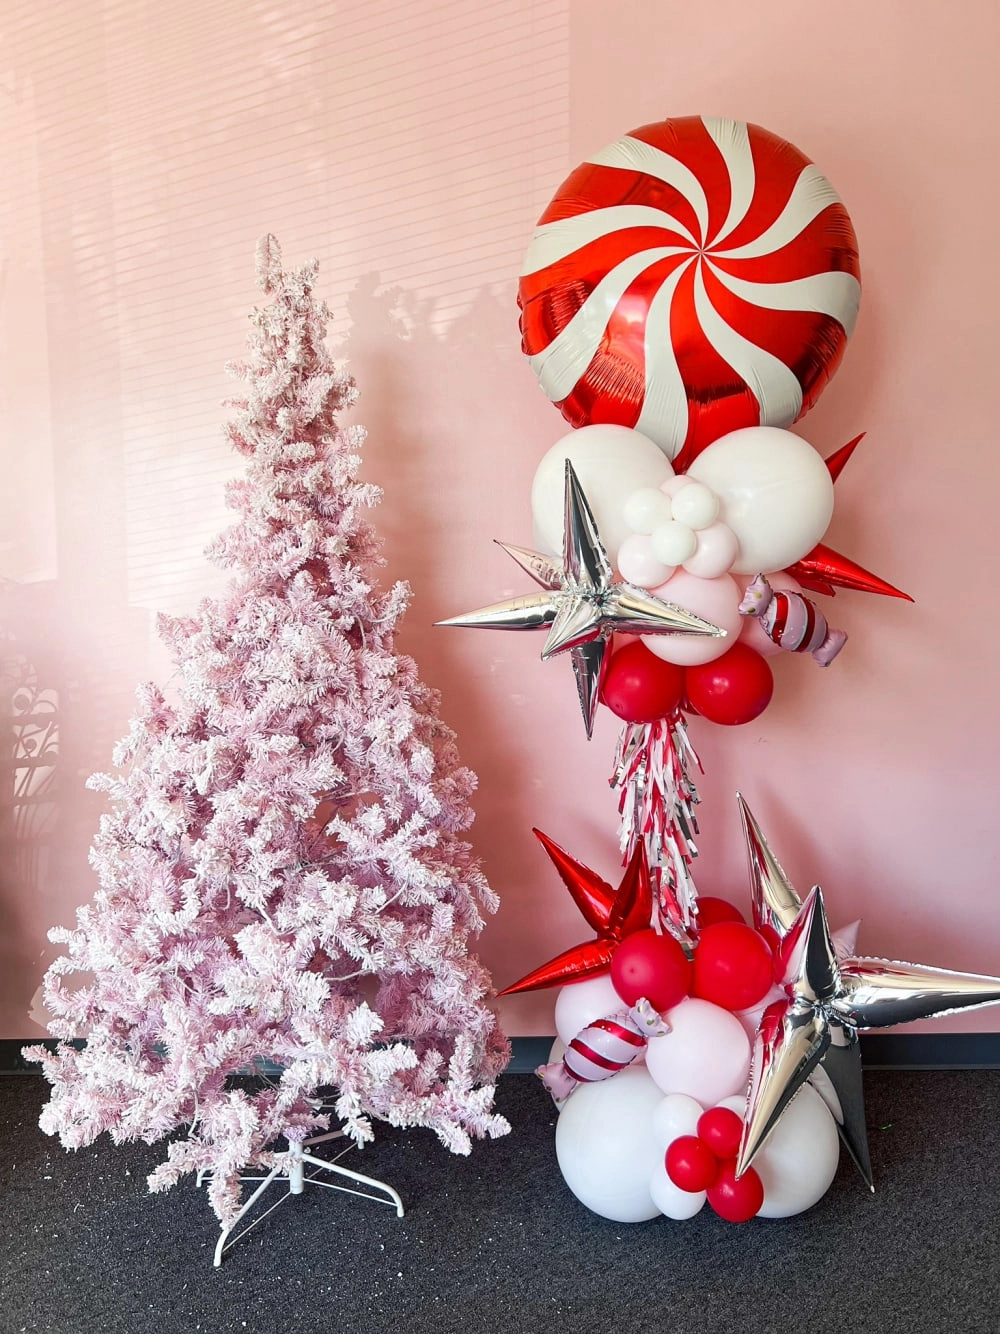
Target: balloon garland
(686,296)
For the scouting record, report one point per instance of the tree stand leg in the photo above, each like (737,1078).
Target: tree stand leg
(293,1165)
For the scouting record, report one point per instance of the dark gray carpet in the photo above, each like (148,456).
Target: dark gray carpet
(494,1243)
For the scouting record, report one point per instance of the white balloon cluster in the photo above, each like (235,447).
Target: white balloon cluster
(752,502)
(612,1136)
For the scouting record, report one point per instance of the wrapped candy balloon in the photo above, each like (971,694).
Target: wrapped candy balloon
(792,621)
(603,1048)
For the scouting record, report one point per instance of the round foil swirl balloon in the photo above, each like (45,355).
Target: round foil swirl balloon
(694,277)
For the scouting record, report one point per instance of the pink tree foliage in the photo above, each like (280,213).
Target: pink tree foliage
(283,880)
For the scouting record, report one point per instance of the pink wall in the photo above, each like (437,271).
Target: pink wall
(411,148)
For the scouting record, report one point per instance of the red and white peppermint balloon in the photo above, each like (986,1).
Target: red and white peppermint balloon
(694,277)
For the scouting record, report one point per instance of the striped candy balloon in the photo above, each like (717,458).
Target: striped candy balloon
(792,621)
(603,1048)
(692,278)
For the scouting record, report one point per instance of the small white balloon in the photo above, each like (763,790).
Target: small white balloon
(646,509)
(605,1146)
(674,543)
(675,1115)
(696,506)
(637,562)
(673,1201)
(611,462)
(776,494)
(706,1055)
(580,1003)
(714,555)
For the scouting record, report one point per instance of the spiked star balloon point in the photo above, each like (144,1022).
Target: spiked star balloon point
(827,1002)
(582,606)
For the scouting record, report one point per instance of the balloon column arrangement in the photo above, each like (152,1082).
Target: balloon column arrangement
(726,1072)
(685,298)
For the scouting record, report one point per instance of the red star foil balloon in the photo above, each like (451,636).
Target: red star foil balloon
(827,1002)
(582,607)
(612,913)
(823,570)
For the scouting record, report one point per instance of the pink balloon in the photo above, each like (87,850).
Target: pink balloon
(753,633)
(705,1055)
(717,549)
(637,562)
(674,484)
(717,600)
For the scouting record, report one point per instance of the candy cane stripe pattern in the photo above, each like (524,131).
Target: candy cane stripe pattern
(692,278)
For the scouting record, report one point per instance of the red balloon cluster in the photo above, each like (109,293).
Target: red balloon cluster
(707,1161)
(733,964)
(639,687)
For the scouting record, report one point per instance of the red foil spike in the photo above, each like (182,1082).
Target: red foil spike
(630,909)
(573,965)
(827,566)
(633,906)
(592,895)
(840,457)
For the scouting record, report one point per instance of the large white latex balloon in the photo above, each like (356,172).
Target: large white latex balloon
(705,1055)
(717,600)
(580,1003)
(611,462)
(673,1201)
(606,1148)
(799,1160)
(776,494)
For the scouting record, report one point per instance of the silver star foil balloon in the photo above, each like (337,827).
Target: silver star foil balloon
(827,1002)
(582,607)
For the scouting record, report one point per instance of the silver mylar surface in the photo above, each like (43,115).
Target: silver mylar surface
(581,607)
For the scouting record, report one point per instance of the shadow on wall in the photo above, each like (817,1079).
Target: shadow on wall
(419,385)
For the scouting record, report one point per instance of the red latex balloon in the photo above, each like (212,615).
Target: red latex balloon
(646,964)
(662,219)
(721,1130)
(733,689)
(691,1164)
(733,966)
(640,687)
(712,910)
(735,1200)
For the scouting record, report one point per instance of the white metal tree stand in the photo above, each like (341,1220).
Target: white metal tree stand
(293,1165)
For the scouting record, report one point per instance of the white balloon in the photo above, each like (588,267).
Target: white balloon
(706,1055)
(646,509)
(580,1003)
(799,1160)
(611,462)
(696,506)
(776,494)
(605,1145)
(675,1115)
(673,1201)
(674,543)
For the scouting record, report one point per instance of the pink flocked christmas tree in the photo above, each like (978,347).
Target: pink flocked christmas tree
(283,877)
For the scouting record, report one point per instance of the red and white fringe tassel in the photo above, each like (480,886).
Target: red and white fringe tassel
(653,765)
